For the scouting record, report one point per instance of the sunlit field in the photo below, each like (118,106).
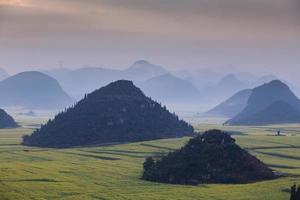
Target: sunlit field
(113,172)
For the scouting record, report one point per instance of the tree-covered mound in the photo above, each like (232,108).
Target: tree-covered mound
(6,121)
(212,157)
(118,112)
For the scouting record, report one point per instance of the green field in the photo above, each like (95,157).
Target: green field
(113,172)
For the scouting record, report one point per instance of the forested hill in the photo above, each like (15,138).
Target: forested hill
(212,157)
(118,112)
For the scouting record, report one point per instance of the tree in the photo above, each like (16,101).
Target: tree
(149,164)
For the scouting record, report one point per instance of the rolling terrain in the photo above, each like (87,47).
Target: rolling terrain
(113,172)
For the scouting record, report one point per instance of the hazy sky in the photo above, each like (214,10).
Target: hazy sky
(248,34)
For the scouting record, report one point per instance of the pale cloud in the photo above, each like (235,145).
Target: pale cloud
(214,20)
(21,3)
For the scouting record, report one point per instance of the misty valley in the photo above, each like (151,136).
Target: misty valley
(146,133)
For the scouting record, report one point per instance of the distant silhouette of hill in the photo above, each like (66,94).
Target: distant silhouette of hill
(212,157)
(118,112)
(6,121)
(170,89)
(232,106)
(33,90)
(142,70)
(274,98)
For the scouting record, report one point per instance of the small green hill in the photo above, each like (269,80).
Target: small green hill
(116,113)
(212,157)
(6,121)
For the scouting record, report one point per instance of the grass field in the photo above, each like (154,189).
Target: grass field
(113,172)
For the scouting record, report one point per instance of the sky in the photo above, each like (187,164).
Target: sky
(261,36)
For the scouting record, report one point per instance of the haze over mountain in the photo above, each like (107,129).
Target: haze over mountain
(264,79)
(33,89)
(202,78)
(116,113)
(3,74)
(85,80)
(224,89)
(271,103)
(170,89)
(213,87)
(232,106)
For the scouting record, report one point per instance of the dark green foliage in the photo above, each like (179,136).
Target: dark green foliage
(212,157)
(6,121)
(271,103)
(295,192)
(119,112)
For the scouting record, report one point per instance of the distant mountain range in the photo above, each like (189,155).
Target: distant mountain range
(170,89)
(271,103)
(85,80)
(33,90)
(202,86)
(118,112)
